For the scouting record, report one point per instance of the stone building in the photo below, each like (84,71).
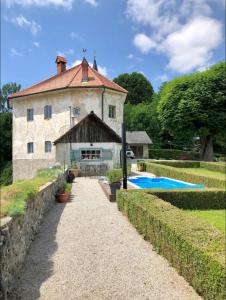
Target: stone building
(46,111)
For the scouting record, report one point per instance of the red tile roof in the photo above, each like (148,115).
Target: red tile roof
(71,78)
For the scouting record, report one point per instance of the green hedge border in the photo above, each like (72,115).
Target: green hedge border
(178,163)
(209,198)
(173,154)
(190,244)
(213,166)
(176,173)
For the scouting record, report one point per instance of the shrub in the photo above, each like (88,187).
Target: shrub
(173,154)
(176,173)
(179,163)
(195,250)
(141,165)
(209,198)
(114,175)
(213,166)
(6,175)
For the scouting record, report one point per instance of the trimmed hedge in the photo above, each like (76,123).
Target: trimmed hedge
(178,163)
(213,166)
(176,173)
(173,154)
(209,198)
(195,250)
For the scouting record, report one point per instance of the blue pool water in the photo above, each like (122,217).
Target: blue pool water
(161,183)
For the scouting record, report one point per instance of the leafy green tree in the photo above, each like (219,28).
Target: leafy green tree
(195,105)
(139,88)
(6,90)
(143,116)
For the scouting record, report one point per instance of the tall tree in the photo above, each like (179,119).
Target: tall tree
(195,105)
(139,88)
(6,90)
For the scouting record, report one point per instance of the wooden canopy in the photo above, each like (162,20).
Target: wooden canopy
(90,129)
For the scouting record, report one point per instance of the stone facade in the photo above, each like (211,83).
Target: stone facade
(40,130)
(17,234)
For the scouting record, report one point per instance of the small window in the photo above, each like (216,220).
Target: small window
(91,154)
(30,114)
(48,112)
(112,111)
(48,146)
(30,148)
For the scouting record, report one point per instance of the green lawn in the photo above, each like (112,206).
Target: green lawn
(215,217)
(202,171)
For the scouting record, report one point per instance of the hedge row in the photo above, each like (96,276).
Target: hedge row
(172,154)
(195,250)
(209,198)
(213,166)
(162,170)
(179,163)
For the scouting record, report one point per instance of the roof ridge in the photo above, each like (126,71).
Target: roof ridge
(43,81)
(80,65)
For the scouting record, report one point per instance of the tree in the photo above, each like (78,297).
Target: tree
(195,105)
(6,90)
(139,88)
(143,116)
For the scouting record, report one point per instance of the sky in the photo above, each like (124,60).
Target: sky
(162,39)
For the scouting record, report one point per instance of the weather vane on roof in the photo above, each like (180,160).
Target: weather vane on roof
(84,51)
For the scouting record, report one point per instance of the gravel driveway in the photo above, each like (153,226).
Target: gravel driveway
(87,249)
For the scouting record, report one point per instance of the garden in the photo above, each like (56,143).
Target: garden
(186,226)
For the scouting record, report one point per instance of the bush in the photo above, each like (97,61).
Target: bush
(141,165)
(213,166)
(195,250)
(114,175)
(173,154)
(176,173)
(193,199)
(179,163)
(6,175)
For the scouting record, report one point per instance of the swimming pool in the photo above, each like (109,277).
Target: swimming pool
(161,183)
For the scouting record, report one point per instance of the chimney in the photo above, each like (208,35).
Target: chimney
(61,64)
(85,67)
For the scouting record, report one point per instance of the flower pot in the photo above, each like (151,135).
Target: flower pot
(62,197)
(76,172)
(114,186)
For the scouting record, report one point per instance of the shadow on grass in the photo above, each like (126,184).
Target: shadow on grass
(38,265)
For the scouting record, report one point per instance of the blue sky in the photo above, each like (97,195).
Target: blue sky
(160,38)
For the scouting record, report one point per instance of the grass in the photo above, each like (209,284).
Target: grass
(205,172)
(214,217)
(14,196)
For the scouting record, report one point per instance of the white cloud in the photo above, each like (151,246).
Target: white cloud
(162,78)
(41,3)
(130,56)
(191,47)
(102,70)
(143,43)
(77,36)
(184,30)
(92,2)
(36,44)
(14,52)
(67,4)
(21,21)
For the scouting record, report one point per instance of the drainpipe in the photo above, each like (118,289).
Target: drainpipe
(102,105)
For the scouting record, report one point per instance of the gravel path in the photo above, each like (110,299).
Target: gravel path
(87,249)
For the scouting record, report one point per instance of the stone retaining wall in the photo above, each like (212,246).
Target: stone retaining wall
(17,233)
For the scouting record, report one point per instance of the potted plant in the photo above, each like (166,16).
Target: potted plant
(141,167)
(64,194)
(74,169)
(114,178)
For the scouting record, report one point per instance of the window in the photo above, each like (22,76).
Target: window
(112,111)
(30,148)
(48,146)
(48,112)
(91,154)
(30,114)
